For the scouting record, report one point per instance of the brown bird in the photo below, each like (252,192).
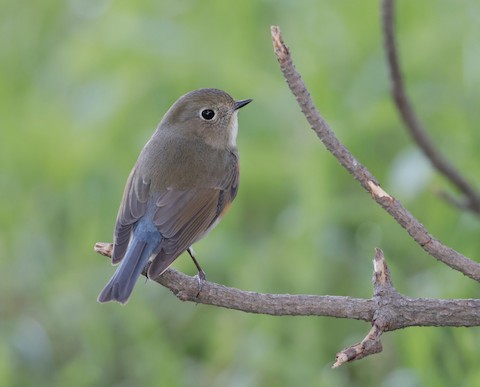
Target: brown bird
(183,182)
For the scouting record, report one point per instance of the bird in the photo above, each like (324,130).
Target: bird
(182,184)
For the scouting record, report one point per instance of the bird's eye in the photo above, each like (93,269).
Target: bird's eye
(208,114)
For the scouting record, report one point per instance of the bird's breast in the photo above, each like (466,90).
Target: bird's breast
(181,163)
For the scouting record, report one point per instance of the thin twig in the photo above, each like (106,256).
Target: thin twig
(417,231)
(410,119)
(370,345)
(384,293)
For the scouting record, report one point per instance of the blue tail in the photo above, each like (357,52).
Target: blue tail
(123,280)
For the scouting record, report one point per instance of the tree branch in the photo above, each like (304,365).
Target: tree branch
(417,131)
(185,288)
(388,310)
(415,229)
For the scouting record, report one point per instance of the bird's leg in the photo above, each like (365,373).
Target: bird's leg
(201,274)
(145,270)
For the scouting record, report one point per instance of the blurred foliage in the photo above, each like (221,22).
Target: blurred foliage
(83,84)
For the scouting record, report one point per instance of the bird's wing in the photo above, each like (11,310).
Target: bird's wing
(185,216)
(132,208)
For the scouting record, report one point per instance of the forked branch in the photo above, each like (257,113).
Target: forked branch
(387,311)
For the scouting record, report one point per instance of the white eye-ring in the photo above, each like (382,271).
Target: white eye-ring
(207,114)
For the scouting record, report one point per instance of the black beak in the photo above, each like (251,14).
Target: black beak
(242,103)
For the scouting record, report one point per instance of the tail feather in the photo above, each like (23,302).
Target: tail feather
(120,286)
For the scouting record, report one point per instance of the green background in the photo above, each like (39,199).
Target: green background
(83,85)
